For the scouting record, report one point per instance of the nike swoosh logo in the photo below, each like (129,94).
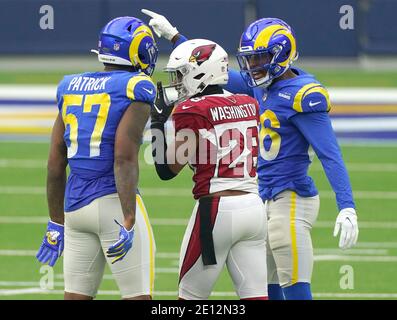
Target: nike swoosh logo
(184,107)
(158,110)
(311,104)
(275,199)
(148,91)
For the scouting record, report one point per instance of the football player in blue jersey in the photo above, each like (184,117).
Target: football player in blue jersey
(294,116)
(97,216)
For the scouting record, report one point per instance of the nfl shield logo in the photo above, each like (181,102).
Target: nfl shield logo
(264,97)
(116,47)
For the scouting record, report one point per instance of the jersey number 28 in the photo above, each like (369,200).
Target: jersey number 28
(238,149)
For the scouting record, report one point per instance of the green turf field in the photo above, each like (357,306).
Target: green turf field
(329,77)
(373,173)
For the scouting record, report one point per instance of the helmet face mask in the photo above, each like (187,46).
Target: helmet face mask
(267,50)
(176,91)
(192,66)
(255,65)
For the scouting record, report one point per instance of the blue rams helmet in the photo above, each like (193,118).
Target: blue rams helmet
(267,49)
(128,41)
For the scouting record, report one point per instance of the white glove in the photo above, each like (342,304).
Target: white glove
(161,26)
(347,223)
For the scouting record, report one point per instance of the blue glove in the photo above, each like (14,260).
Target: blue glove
(119,250)
(52,247)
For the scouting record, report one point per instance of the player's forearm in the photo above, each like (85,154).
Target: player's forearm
(177,40)
(56,182)
(159,152)
(336,172)
(317,129)
(236,84)
(126,175)
(338,177)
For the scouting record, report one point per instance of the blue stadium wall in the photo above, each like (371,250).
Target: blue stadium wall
(316,23)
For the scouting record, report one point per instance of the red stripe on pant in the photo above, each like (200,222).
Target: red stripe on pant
(193,251)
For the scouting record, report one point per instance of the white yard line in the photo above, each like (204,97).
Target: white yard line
(362,224)
(353,251)
(363,167)
(26,284)
(23,219)
(17,292)
(351,166)
(22,163)
(334,257)
(367,143)
(18,253)
(388,245)
(365,194)
(320,255)
(32,253)
(167,255)
(22,190)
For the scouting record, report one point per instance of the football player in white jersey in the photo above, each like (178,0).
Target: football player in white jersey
(219,133)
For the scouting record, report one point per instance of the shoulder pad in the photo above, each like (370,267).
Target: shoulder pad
(312,97)
(140,87)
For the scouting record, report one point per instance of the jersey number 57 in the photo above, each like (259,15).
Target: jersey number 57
(72,120)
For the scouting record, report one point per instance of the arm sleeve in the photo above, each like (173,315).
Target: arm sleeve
(180,40)
(237,84)
(317,129)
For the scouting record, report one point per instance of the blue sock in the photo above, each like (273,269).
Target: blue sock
(298,291)
(275,292)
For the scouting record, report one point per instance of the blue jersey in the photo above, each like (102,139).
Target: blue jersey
(92,105)
(294,116)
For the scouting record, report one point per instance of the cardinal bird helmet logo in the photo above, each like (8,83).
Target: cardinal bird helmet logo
(202,53)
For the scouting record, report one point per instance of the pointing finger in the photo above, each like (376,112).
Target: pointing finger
(149,13)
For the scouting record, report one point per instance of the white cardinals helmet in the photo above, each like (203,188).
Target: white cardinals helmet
(194,65)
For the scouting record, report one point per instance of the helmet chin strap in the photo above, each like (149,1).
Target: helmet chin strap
(267,82)
(186,94)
